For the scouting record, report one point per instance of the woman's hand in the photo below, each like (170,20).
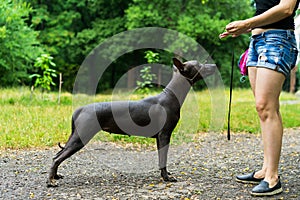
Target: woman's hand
(236,28)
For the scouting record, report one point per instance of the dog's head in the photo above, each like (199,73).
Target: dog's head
(194,71)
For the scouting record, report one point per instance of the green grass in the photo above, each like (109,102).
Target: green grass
(28,121)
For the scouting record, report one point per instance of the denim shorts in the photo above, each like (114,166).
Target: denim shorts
(273,49)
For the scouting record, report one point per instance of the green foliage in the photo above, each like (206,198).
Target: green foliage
(205,21)
(161,13)
(151,57)
(45,79)
(19,44)
(200,20)
(146,75)
(70,30)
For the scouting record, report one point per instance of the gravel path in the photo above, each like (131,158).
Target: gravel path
(204,169)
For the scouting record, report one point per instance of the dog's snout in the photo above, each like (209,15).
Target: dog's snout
(211,68)
(207,70)
(210,65)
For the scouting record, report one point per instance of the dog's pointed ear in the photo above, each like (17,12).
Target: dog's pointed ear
(178,64)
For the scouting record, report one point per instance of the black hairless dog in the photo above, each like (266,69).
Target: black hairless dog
(154,117)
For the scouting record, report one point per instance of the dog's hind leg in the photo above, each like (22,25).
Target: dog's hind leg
(73,145)
(83,129)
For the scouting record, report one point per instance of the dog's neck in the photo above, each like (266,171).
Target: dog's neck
(179,86)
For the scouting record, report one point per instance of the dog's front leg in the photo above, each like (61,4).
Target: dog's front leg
(163,142)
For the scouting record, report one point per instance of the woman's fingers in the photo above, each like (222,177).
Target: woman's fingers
(223,35)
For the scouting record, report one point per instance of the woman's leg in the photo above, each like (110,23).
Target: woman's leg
(267,85)
(252,78)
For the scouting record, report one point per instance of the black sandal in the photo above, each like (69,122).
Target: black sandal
(248,179)
(263,189)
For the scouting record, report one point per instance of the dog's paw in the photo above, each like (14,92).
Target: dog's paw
(170,179)
(51,183)
(165,175)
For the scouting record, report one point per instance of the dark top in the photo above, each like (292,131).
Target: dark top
(286,23)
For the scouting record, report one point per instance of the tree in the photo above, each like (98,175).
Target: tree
(71,29)
(201,20)
(19,44)
(204,21)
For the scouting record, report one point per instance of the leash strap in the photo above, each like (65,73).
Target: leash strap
(230,96)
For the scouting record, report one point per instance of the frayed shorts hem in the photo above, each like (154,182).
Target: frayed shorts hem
(271,67)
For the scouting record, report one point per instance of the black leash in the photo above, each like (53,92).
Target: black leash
(230,96)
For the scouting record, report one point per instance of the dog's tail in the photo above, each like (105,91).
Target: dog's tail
(60,146)
(60,152)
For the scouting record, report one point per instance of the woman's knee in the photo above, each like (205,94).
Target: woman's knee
(261,109)
(265,109)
